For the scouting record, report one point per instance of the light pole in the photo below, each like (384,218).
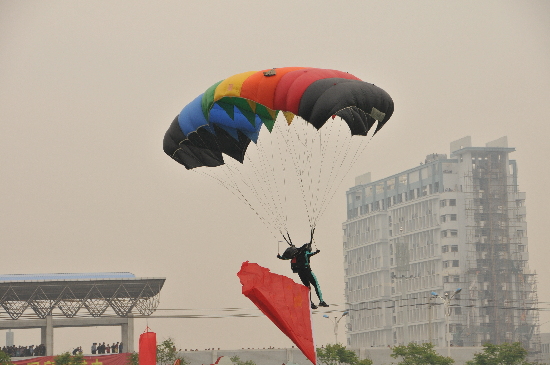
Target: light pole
(335,321)
(446,307)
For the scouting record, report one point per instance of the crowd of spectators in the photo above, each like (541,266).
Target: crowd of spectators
(23,351)
(101,348)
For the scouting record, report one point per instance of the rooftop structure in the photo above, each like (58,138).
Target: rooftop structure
(448,223)
(96,292)
(107,299)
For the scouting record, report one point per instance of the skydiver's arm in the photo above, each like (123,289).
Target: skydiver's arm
(309,253)
(281,257)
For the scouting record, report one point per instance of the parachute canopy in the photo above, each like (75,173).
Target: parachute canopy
(283,301)
(229,114)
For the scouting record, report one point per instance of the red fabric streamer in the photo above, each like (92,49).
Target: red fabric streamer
(116,359)
(283,301)
(148,348)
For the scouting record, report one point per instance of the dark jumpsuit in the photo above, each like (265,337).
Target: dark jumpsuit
(300,265)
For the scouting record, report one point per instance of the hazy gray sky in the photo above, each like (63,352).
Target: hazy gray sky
(87,90)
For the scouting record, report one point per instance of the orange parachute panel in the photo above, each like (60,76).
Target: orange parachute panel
(261,88)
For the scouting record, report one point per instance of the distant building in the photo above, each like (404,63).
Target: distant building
(448,223)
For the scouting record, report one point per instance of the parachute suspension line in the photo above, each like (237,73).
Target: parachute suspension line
(231,175)
(296,157)
(302,162)
(261,186)
(240,196)
(272,185)
(310,163)
(362,147)
(267,189)
(319,175)
(344,163)
(339,162)
(336,162)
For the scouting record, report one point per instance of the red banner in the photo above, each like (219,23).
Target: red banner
(148,348)
(283,301)
(116,359)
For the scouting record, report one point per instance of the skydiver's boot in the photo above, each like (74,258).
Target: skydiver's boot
(323,304)
(313,306)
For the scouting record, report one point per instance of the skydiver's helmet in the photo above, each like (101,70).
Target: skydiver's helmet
(290,252)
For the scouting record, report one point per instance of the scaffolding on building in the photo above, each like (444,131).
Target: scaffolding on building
(501,302)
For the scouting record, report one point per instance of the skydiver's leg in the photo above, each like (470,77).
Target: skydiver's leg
(304,276)
(313,280)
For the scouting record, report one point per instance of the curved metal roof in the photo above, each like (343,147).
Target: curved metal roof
(65,276)
(68,292)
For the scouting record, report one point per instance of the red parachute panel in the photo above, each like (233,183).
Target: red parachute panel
(283,301)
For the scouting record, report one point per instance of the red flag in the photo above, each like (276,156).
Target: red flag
(283,301)
(148,348)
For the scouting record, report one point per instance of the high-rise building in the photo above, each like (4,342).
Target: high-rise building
(441,249)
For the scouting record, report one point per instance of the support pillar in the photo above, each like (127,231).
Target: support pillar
(127,335)
(47,336)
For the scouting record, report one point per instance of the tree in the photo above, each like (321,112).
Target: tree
(67,359)
(167,353)
(338,354)
(424,354)
(133,359)
(237,361)
(504,354)
(5,359)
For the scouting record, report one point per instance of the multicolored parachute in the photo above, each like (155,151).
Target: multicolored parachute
(229,114)
(283,301)
(309,151)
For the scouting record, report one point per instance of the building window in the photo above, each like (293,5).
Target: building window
(443,218)
(454,233)
(452,202)
(455,263)
(444,249)
(445,264)
(436,187)
(454,248)
(443,234)
(453,217)
(443,203)
(456,279)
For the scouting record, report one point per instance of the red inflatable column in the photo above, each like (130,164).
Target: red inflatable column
(148,348)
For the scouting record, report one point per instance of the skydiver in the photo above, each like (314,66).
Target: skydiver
(300,264)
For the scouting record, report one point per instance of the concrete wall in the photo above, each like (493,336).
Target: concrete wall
(379,355)
(260,357)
